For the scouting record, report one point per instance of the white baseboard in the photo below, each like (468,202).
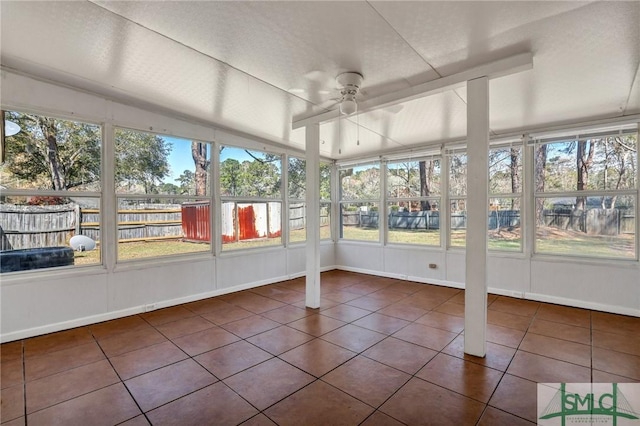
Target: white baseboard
(583,304)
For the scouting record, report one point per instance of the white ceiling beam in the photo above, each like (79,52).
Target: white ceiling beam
(500,68)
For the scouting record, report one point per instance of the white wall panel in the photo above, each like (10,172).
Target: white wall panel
(359,256)
(508,275)
(456,266)
(413,262)
(247,267)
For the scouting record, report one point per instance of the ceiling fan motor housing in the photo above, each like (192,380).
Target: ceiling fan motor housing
(349,81)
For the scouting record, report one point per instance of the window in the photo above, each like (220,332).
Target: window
(586,195)
(457,199)
(297,205)
(505,195)
(413,201)
(359,202)
(251,198)
(163,191)
(51,192)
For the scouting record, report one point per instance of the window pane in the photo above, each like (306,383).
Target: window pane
(36,232)
(297,177)
(593,164)
(359,221)
(604,228)
(458,223)
(458,175)
(505,170)
(414,222)
(297,222)
(325,181)
(248,225)
(51,154)
(504,224)
(325,221)
(360,183)
(413,179)
(158,227)
(247,173)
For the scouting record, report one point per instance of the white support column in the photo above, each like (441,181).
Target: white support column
(475,311)
(109,204)
(313,215)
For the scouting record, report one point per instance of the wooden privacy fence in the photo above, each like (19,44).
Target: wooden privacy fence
(37,226)
(591,221)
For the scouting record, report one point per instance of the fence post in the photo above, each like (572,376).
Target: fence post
(78,212)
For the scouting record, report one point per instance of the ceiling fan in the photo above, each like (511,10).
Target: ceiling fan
(349,84)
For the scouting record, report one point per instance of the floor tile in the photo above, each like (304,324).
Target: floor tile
(464,377)
(369,303)
(131,341)
(11,373)
(451,308)
(257,304)
(65,359)
(442,321)
(11,351)
(516,396)
(617,342)
(107,406)
(205,340)
(418,401)
(184,326)
(69,384)
(340,296)
(565,315)
(147,359)
(317,357)
(388,294)
(505,319)
(617,324)
(515,306)
(136,421)
(616,363)
(162,316)
(20,421)
(105,330)
(423,302)
(279,340)
(547,370)
(378,418)
(497,357)
(563,350)
(316,325)
(55,341)
(345,313)
(227,314)
(287,314)
(494,417)
(403,311)
(399,354)
(277,380)
(250,326)
(426,336)
(160,386)
(279,293)
(11,403)
(561,331)
(319,404)
(354,338)
(367,380)
(362,288)
(215,404)
(381,323)
(598,376)
(204,306)
(259,420)
(231,359)
(504,336)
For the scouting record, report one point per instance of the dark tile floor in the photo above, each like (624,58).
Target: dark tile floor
(378,352)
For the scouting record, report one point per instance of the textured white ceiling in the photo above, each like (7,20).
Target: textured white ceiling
(254,65)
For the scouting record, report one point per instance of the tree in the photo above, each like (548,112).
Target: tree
(54,154)
(584,160)
(540,167)
(141,159)
(230,177)
(426,177)
(201,161)
(186,180)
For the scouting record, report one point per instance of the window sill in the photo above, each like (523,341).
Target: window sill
(60,273)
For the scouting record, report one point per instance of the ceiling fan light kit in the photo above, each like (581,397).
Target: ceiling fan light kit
(349,83)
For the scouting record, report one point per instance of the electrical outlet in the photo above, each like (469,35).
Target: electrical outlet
(149,307)
(433,266)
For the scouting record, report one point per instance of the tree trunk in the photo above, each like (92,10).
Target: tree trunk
(199,154)
(425,176)
(58,181)
(514,154)
(584,159)
(540,174)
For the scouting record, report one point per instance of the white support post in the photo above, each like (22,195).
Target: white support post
(109,204)
(313,215)
(475,311)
